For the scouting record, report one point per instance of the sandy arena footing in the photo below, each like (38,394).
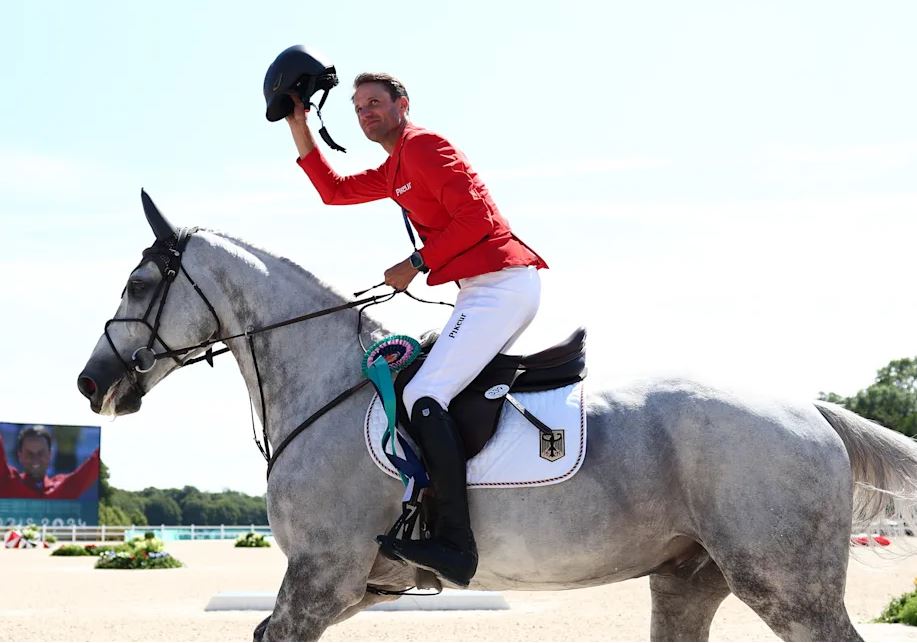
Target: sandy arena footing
(65,599)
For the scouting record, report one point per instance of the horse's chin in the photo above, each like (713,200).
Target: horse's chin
(121,399)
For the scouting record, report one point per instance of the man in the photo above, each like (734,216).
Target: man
(33,450)
(466,240)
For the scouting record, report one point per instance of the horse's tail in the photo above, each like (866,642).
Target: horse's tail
(883,463)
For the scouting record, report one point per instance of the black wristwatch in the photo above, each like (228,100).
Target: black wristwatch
(417,262)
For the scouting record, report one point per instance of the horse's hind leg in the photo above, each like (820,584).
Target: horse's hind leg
(797,589)
(801,609)
(684,605)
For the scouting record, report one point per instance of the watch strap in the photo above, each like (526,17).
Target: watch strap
(417,262)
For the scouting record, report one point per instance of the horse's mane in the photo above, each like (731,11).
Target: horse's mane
(251,247)
(257,250)
(332,296)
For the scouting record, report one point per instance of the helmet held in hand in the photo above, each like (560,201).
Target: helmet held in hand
(298,71)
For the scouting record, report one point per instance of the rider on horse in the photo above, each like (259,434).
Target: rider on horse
(465,240)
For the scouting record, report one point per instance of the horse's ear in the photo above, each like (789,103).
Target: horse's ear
(161,226)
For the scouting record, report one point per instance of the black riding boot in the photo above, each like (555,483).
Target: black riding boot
(451,552)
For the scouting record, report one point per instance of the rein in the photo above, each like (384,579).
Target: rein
(373,299)
(264,445)
(163,253)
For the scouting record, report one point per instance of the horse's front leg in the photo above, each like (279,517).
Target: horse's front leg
(317,589)
(369,599)
(261,629)
(385,575)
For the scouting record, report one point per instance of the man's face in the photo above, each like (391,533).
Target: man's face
(377,112)
(35,456)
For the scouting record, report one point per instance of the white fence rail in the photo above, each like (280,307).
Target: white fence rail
(116,533)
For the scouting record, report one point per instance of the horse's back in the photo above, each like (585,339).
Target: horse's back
(670,462)
(709,454)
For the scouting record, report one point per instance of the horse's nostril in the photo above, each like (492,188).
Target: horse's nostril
(87,386)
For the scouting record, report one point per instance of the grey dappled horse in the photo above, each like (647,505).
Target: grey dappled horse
(704,492)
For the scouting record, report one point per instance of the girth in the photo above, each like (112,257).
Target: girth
(477,414)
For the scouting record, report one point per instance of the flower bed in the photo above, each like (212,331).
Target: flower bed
(146,560)
(137,553)
(902,609)
(74,550)
(251,539)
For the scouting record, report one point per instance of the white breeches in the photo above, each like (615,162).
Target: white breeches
(491,311)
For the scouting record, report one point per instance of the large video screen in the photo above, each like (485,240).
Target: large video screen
(49,474)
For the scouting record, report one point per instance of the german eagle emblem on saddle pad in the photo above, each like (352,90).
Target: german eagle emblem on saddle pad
(518,454)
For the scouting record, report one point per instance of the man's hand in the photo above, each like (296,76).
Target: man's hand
(302,137)
(299,113)
(400,275)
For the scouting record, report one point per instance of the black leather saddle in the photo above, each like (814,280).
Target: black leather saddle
(476,414)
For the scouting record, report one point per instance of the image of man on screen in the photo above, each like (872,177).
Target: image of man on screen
(33,450)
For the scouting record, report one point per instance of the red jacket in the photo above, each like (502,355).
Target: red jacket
(63,486)
(462,230)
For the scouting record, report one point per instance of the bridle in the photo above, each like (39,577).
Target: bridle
(166,253)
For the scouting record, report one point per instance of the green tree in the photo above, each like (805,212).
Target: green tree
(109,515)
(185,492)
(891,400)
(160,509)
(231,511)
(131,504)
(184,506)
(196,510)
(104,486)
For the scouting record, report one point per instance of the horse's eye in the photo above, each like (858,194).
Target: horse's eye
(136,287)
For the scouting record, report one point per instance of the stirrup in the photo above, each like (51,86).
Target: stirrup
(410,521)
(458,575)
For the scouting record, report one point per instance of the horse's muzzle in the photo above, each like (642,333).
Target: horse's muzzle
(98,378)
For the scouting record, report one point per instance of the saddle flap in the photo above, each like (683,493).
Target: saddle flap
(518,455)
(475,413)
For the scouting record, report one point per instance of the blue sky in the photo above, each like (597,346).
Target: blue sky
(723,190)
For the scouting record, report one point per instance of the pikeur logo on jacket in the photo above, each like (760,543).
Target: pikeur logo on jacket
(464,233)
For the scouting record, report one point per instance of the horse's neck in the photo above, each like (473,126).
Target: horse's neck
(302,366)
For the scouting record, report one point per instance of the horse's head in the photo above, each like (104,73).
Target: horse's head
(161,310)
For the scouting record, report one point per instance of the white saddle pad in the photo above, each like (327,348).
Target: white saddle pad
(517,455)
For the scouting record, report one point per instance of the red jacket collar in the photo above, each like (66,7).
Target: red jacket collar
(408,130)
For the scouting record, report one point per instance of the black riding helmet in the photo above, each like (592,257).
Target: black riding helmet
(297,71)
